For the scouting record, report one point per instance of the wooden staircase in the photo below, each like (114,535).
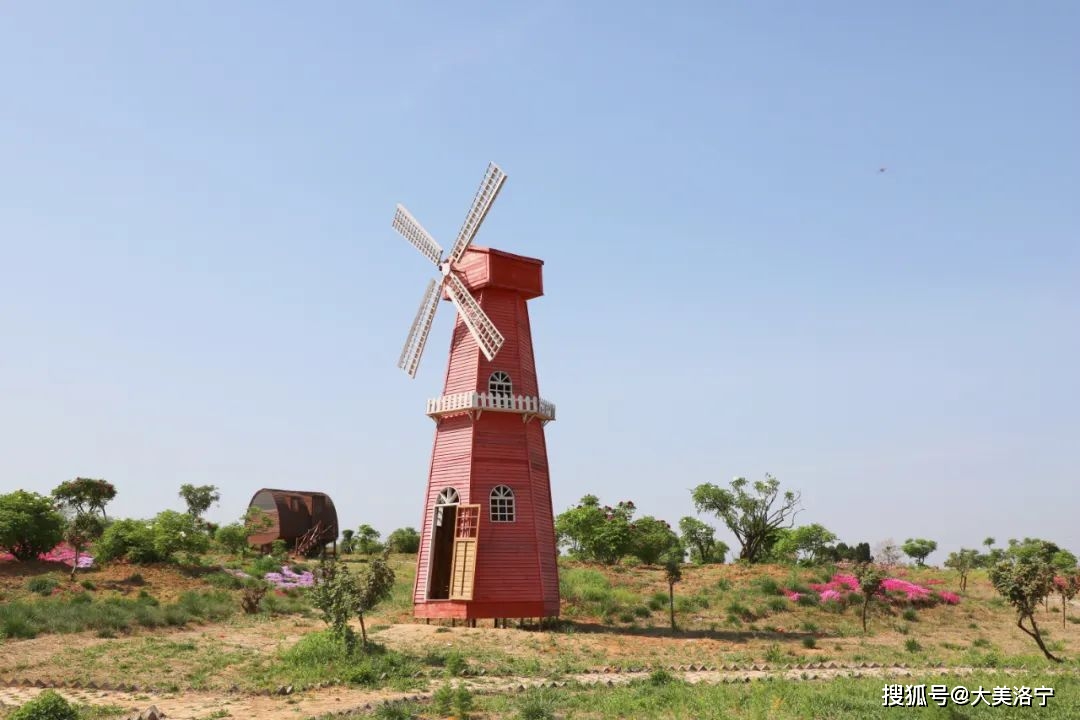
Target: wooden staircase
(310,543)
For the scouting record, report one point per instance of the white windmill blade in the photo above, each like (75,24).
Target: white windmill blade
(485,196)
(414,232)
(418,333)
(485,333)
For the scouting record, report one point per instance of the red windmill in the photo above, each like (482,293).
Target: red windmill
(488,541)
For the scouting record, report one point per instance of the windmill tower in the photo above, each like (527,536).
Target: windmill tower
(487,545)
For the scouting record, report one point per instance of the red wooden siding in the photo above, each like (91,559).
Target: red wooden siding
(516,573)
(515,560)
(451,459)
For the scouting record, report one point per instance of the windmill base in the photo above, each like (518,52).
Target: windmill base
(468,610)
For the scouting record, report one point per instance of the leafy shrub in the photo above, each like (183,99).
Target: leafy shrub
(767,586)
(159,540)
(264,564)
(536,705)
(224,580)
(395,711)
(911,615)
(278,550)
(49,705)
(463,702)
(442,700)
(233,538)
(912,645)
(42,585)
(661,677)
(809,642)
(29,524)
(777,604)
(739,610)
(87,585)
(456,664)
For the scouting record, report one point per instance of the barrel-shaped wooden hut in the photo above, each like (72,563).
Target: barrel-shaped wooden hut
(306,521)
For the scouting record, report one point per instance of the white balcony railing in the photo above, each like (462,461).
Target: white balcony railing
(465,402)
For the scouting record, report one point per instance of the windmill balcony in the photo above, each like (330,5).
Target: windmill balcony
(459,403)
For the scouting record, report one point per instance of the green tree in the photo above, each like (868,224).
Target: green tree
(870,579)
(338,595)
(859,553)
(1067,586)
(673,574)
(652,539)
(404,540)
(347,542)
(85,495)
(29,524)
(257,520)
(962,561)
(199,498)
(753,512)
(335,594)
(1065,578)
(176,533)
(375,586)
(367,540)
(806,544)
(82,499)
(233,538)
(592,532)
(701,539)
(1024,577)
(81,530)
(918,548)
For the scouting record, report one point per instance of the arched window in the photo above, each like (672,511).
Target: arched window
(448,496)
(499,384)
(502,504)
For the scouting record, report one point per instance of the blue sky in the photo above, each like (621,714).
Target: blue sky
(199,282)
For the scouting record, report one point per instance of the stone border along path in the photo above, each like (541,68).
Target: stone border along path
(340,700)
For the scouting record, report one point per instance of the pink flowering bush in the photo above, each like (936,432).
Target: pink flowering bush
(62,553)
(913,592)
(842,586)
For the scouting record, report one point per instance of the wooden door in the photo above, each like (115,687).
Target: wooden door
(463,572)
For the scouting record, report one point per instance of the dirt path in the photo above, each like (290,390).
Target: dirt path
(340,700)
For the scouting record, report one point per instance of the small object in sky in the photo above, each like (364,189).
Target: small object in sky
(881,170)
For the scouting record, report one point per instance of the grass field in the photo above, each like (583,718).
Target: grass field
(179,637)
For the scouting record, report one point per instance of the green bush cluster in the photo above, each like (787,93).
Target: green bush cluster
(161,539)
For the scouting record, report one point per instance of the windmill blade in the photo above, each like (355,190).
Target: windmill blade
(412,231)
(485,333)
(485,196)
(418,333)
